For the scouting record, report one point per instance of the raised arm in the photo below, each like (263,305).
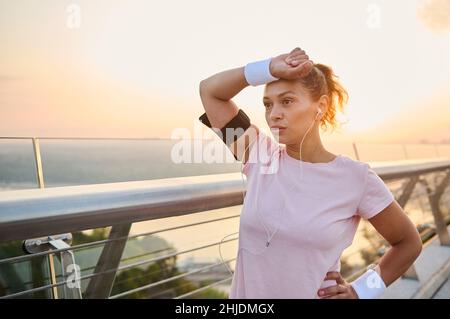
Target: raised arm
(216,93)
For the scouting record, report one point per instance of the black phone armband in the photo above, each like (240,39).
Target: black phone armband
(235,127)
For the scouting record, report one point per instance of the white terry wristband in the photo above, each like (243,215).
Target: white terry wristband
(370,285)
(258,72)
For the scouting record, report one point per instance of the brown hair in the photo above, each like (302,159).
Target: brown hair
(322,81)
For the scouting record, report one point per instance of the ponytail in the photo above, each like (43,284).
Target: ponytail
(322,81)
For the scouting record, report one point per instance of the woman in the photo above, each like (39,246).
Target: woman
(303,203)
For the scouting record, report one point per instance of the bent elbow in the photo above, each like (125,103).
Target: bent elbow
(203,87)
(417,246)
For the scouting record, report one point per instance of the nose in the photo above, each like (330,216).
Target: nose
(276,112)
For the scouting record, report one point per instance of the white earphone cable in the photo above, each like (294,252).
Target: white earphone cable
(269,236)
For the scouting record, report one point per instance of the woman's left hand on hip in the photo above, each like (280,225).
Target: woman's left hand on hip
(342,289)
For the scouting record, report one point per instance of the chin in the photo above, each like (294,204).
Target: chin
(280,138)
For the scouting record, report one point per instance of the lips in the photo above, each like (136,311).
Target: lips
(277,129)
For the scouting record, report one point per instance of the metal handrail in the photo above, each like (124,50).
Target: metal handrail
(39,212)
(391,170)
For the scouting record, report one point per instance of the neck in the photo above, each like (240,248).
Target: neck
(313,150)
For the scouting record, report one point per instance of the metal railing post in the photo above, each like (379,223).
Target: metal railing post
(434,197)
(41,184)
(38,161)
(101,285)
(404,151)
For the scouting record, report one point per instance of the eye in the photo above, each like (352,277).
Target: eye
(267,105)
(285,101)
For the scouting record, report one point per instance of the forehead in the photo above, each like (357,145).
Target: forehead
(274,89)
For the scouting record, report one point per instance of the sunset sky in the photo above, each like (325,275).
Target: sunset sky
(132,68)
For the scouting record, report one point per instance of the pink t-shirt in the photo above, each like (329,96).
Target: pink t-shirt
(316,220)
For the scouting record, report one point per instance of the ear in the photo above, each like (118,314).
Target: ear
(323,103)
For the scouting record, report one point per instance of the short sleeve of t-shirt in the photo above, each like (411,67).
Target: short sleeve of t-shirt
(261,153)
(376,196)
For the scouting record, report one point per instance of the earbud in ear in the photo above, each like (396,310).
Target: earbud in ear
(319,111)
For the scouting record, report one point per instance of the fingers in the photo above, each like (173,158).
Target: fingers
(299,55)
(338,296)
(303,69)
(299,62)
(297,58)
(296,54)
(332,290)
(334,275)
(342,290)
(296,49)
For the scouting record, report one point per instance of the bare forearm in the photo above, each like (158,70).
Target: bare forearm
(224,85)
(398,259)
